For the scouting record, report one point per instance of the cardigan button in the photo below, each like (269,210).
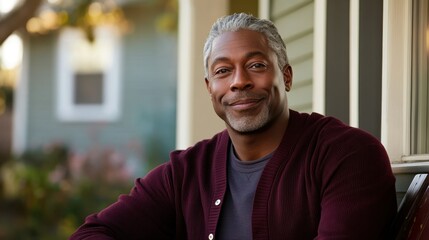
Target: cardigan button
(211,236)
(217,202)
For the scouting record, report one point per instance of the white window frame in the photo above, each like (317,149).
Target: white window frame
(109,109)
(396,87)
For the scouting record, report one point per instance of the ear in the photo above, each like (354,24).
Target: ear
(287,77)
(208,86)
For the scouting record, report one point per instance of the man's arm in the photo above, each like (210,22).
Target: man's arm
(146,213)
(358,195)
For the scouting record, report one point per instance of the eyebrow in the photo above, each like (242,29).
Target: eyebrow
(247,56)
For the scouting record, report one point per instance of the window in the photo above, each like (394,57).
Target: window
(419,78)
(88,88)
(405,84)
(88,85)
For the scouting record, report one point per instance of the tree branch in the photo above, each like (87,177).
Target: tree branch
(17,18)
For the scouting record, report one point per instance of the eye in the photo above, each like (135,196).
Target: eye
(221,71)
(258,66)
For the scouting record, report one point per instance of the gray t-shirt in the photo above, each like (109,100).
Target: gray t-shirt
(235,221)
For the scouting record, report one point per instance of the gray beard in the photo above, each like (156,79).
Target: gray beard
(249,123)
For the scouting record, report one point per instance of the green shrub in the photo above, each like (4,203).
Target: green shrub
(47,193)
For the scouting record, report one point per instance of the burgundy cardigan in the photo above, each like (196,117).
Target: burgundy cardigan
(326,180)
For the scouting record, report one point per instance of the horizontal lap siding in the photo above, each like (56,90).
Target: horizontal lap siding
(294,19)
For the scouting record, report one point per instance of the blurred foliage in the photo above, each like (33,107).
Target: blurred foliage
(88,14)
(47,193)
(83,14)
(169,18)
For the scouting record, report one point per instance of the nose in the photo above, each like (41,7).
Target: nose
(241,81)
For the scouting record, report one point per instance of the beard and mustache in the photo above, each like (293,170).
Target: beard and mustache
(248,121)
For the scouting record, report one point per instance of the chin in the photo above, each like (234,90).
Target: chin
(247,125)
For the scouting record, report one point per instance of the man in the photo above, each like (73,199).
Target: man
(272,174)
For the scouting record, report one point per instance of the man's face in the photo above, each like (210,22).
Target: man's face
(247,87)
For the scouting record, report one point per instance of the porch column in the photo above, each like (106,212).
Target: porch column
(196,118)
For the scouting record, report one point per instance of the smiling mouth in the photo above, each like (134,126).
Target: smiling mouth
(244,104)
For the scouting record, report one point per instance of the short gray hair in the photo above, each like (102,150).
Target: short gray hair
(237,21)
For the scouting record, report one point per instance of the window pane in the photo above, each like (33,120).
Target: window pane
(420,87)
(88,88)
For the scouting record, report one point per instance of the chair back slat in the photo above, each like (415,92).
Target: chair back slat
(420,219)
(412,219)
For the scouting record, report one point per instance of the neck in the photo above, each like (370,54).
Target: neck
(255,145)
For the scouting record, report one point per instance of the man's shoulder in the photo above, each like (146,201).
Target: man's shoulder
(332,140)
(329,128)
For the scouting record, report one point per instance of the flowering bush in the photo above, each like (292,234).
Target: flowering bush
(47,193)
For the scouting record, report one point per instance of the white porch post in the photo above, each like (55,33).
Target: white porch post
(196,119)
(19,125)
(319,58)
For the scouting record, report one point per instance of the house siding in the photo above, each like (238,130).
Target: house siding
(295,21)
(148,95)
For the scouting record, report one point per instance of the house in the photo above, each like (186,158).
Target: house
(116,94)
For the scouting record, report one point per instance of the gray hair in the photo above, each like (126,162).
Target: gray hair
(237,21)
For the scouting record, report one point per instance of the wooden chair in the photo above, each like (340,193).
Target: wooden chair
(412,221)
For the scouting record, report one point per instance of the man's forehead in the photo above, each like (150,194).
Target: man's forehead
(243,42)
(240,35)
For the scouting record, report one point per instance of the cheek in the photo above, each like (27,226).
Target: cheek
(279,84)
(218,90)
(217,84)
(277,88)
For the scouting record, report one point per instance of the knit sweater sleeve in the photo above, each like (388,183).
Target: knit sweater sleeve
(147,212)
(357,191)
